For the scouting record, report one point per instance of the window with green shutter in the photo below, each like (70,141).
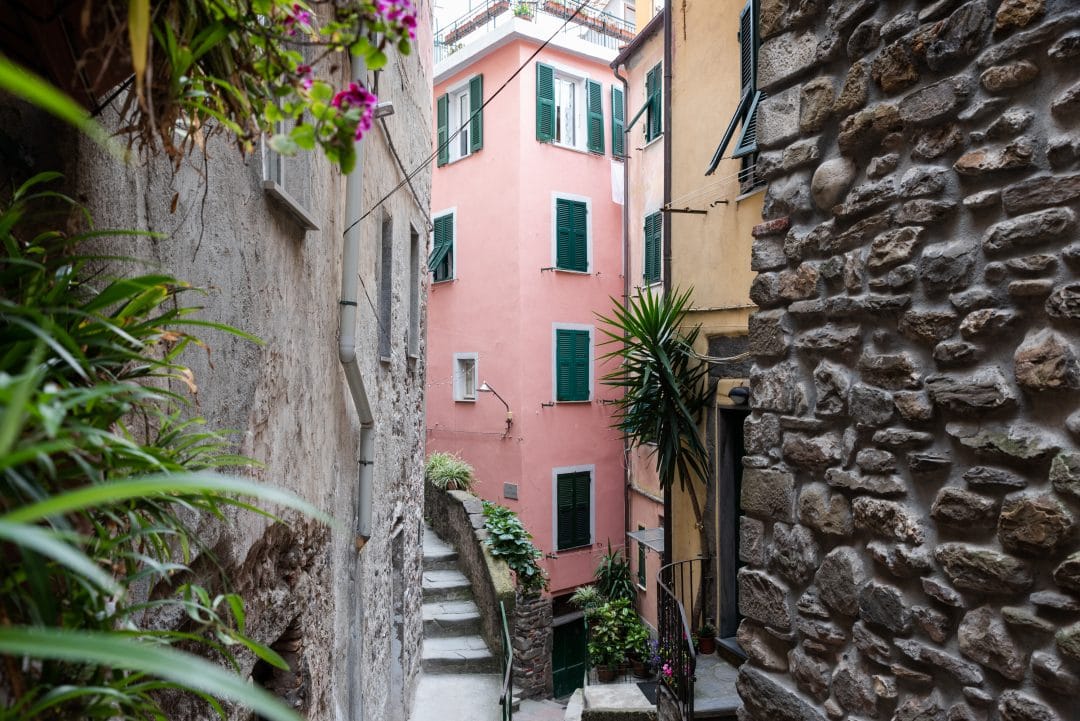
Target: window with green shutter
(749,96)
(594,94)
(441,260)
(476,117)
(573,508)
(571,235)
(618,123)
(545,103)
(573,365)
(654,81)
(442,136)
(654,226)
(642,580)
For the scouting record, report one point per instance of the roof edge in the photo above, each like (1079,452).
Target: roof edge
(650,29)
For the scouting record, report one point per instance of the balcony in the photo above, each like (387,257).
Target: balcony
(594,27)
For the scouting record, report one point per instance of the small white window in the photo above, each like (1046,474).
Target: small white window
(287,180)
(566,119)
(465,376)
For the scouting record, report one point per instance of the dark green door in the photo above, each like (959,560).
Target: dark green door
(568,652)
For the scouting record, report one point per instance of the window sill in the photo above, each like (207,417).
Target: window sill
(581,402)
(574,148)
(301,214)
(451,161)
(752,193)
(385,359)
(649,143)
(464,400)
(575,549)
(443,282)
(571,271)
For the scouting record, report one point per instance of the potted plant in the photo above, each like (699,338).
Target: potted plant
(607,637)
(637,648)
(523,11)
(706,638)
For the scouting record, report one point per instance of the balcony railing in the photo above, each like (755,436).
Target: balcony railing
(675,582)
(593,26)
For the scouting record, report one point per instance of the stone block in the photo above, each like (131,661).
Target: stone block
(778,119)
(785,57)
(768,493)
(936,102)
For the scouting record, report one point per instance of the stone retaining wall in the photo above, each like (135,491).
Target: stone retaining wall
(913,478)
(532,647)
(458,518)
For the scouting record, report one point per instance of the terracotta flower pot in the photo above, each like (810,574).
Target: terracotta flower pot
(605,674)
(706,644)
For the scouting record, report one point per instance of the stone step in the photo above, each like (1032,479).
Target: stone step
(458,654)
(438,555)
(446,585)
(451,618)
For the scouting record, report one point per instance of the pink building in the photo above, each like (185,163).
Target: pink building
(527,248)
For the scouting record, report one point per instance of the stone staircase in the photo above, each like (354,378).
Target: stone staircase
(452,640)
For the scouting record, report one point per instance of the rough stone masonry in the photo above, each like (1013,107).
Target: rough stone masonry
(912,485)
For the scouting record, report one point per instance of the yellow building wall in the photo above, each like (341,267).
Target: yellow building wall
(711,252)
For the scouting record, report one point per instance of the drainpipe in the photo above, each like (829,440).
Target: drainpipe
(626,283)
(668,39)
(350,262)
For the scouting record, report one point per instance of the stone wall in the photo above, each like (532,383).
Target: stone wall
(532,647)
(458,518)
(913,478)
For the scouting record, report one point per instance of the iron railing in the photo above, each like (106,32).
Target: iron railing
(678,658)
(506,698)
(594,26)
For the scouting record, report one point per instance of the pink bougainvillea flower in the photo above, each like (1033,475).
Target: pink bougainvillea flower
(306,78)
(400,12)
(668,671)
(357,96)
(298,16)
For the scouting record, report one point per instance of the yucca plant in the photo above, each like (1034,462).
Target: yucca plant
(99,466)
(663,383)
(448,472)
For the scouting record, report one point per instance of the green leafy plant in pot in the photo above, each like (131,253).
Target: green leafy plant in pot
(706,638)
(608,626)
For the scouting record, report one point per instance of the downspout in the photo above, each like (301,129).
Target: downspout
(350,261)
(626,281)
(668,35)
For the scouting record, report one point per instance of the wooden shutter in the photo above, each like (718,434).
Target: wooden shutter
(564,510)
(746,111)
(582,530)
(594,103)
(476,113)
(747,50)
(545,103)
(571,235)
(654,93)
(442,135)
(653,234)
(618,123)
(573,360)
(442,247)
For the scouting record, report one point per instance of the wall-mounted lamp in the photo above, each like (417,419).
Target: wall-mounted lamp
(740,395)
(485,388)
(383,109)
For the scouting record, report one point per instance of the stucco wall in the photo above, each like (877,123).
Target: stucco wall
(503,307)
(914,476)
(288,398)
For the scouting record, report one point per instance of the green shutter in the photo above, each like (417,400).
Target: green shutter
(654,93)
(571,235)
(750,97)
(573,510)
(618,123)
(545,103)
(564,510)
(573,360)
(594,101)
(653,234)
(476,113)
(440,263)
(441,136)
(641,575)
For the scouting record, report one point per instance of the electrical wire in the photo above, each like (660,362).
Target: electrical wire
(446,144)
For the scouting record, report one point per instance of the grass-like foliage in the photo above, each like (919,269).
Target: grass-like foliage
(613,577)
(448,472)
(663,382)
(509,541)
(101,470)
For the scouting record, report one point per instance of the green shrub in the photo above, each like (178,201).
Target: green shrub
(613,576)
(509,541)
(448,472)
(609,625)
(100,470)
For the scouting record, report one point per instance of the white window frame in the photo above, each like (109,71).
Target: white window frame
(556,196)
(273,181)
(581,140)
(453,251)
(460,382)
(590,468)
(555,327)
(457,93)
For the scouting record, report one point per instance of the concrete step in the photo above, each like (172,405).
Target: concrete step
(446,586)
(451,618)
(458,654)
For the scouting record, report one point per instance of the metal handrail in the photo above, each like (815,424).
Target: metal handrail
(676,639)
(506,698)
